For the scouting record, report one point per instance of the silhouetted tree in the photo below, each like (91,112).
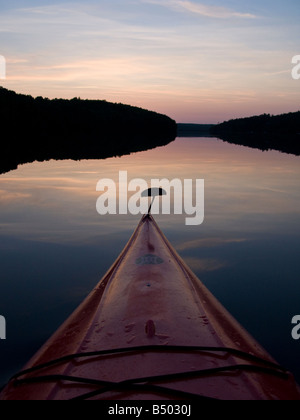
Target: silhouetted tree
(41,129)
(280,132)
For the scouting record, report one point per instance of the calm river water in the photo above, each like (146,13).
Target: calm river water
(54,246)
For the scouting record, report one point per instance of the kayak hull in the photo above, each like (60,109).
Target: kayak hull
(151,330)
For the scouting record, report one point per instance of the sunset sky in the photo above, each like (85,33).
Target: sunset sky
(196,61)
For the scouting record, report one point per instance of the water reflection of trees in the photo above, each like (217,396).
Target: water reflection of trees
(265,132)
(42,129)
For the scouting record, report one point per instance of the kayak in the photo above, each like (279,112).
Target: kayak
(150,330)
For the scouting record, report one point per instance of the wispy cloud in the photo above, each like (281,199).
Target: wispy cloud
(206,60)
(201,9)
(9,196)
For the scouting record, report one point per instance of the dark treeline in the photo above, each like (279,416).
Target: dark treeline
(193,130)
(280,132)
(42,129)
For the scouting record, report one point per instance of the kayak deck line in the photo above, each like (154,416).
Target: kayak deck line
(262,366)
(145,382)
(151,330)
(277,369)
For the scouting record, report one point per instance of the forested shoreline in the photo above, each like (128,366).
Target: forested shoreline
(265,132)
(42,129)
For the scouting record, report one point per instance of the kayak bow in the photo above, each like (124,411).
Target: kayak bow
(151,330)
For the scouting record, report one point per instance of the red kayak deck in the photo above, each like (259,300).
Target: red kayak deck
(151,330)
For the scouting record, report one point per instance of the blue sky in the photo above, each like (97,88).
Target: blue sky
(199,61)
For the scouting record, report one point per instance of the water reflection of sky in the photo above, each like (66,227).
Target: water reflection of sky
(54,246)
